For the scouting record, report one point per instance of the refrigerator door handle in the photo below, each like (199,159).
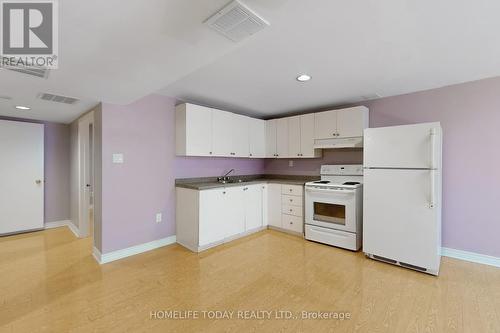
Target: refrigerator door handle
(432,202)
(433,148)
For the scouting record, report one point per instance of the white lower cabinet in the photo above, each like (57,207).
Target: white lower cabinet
(233,212)
(285,207)
(212,217)
(208,218)
(274,205)
(253,202)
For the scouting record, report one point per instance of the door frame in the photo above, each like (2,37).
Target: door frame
(84,165)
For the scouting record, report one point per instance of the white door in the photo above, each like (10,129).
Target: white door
(282,137)
(253,207)
(271,138)
(257,138)
(307,135)
(234,211)
(239,136)
(198,130)
(294,141)
(274,205)
(213,216)
(408,146)
(325,125)
(222,142)
(397,221)
(85,182)
(21,176)
(350,122)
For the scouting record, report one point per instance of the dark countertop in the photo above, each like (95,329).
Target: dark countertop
(211,182)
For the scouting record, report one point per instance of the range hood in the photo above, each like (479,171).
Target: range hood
(332,143)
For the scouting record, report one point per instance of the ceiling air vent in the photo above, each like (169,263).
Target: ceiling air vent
(236,21)
(40,72)
(57,98)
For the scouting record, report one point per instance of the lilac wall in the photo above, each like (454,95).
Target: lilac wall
(133,192)
(311,167)
(57,172)
(470,116)
(56,167)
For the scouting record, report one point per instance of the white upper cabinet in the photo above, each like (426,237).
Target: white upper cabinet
(256,138)
(343,123)
(294,144)
(351,122)
(193,135)
(325,125)
(203,131)
(282,137)
(301,137)
(271,138)
(307,137)
(239,136)
(222,131)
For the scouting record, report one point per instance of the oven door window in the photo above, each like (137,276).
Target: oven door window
(330,213)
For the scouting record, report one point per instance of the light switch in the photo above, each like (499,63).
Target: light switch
(118,158)
(158,217)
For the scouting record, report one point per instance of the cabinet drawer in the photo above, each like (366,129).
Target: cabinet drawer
(292,189)
(293,223)
(291,200)
(291,210)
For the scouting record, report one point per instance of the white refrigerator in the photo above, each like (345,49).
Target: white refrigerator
(402,195)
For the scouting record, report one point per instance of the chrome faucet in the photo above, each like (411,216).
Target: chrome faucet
(225,177)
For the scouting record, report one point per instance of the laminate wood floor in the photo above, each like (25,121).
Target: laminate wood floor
(49,282)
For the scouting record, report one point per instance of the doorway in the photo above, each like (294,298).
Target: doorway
(86,174)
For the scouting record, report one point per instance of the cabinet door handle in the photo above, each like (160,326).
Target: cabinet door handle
(210,153)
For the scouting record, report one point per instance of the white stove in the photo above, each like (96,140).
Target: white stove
(333,206)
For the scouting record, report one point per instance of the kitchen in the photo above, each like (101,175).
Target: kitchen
(212,211)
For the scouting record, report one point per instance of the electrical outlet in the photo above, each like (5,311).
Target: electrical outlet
(158,217)
(290,163)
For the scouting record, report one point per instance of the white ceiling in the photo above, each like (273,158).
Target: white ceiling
(117,51)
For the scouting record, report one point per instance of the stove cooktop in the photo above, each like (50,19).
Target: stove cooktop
(329,182)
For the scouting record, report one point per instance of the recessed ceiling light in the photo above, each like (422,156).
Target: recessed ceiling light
(303,78)
(20,107)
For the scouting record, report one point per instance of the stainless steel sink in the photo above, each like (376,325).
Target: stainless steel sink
(231,181)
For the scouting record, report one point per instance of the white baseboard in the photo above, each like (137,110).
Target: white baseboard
(74,229)
(57,224)
(470,256)
(133,250)
(63,223)
(97,254)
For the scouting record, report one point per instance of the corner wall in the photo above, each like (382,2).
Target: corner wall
(133,192)
(470,116)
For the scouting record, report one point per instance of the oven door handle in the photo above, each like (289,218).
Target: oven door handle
(312,190)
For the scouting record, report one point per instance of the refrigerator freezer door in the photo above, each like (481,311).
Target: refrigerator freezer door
(398,222)
(409,146)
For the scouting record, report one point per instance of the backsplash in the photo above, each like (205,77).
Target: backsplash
(311,167)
